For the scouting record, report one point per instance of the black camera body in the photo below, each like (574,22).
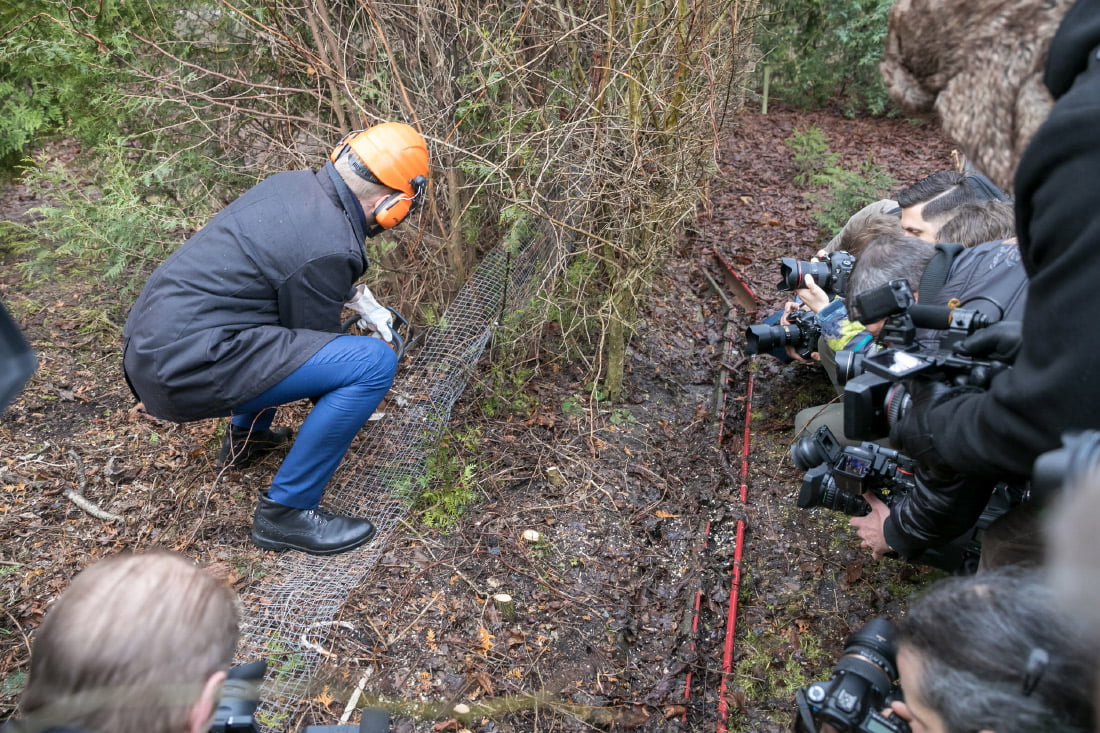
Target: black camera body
(863,683)
(241,694)
(846,472)
(874,398)
(801,333)
(837,477)
(831,274)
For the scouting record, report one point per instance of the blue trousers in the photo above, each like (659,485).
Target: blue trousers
(349,376)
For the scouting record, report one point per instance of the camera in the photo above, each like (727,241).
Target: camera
(831,274)
(874,396)
(863,683)
(240,696)
(836,477)
(801,334)
(842,474)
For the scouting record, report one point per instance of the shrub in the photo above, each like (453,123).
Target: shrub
(827,51)
(836,192)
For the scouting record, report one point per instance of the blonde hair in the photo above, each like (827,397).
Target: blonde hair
(128,647)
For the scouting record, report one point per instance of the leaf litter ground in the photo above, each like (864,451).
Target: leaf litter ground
(603,522)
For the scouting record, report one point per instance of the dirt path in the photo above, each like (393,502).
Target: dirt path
(634,507)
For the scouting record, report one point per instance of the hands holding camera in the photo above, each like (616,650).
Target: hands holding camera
(810,297)
(871,527)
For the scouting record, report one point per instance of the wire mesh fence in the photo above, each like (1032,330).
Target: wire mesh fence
(289,614)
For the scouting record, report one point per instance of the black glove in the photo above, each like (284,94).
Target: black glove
(1000,342)
(911,434)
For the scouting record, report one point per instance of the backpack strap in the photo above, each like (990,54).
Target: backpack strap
(935,275)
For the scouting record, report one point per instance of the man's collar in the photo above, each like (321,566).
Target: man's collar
(350,202)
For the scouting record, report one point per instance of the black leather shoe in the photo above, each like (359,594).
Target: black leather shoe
(315,531)
(241,447)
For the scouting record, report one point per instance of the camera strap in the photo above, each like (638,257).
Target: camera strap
(935,275)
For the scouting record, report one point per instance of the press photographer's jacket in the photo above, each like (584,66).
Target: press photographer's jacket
(988,278)
(1055,384)
(248,299)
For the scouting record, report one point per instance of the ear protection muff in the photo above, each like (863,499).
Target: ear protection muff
(393,209)
(393,155)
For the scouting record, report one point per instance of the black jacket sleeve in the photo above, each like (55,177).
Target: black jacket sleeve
(933,513)
(1055,384)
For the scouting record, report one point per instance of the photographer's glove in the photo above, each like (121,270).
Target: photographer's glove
(372,314)
(1000,342)
(911,434)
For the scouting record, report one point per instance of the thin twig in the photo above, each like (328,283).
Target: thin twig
(77,496)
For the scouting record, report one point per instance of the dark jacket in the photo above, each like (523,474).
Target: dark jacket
(988,278)
(247,299)
(1055,384)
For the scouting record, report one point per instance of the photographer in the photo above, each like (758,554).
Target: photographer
(970,224)
(923,209)
(987,278)
(137,644)
(1055,384)
(995,653)
(980,654)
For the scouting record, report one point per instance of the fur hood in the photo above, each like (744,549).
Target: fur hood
(977,65)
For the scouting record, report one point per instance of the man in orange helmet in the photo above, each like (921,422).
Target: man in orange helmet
(245,316)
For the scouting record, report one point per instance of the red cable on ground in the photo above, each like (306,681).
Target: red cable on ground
(735,584)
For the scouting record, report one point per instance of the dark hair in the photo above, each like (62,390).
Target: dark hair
(976,639)
(979,221)
(890,258)
(943,191)
(855,237)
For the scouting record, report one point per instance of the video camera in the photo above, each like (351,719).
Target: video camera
(837,476)
(863,683)
(240,696)
(801,334)
(831,274)
(874,397)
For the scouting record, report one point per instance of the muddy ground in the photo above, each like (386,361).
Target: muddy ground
(636,505)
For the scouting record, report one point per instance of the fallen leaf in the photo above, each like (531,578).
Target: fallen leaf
(325,697)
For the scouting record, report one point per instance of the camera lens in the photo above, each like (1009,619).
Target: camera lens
(762,338)
(849,364)
(792,274)
(819,489)
(871,653)
(897,403)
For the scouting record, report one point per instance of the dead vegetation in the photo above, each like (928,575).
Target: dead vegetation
(589,514)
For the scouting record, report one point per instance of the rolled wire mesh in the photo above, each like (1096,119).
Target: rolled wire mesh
(287,617)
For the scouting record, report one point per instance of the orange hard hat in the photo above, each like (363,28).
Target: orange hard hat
(391,153)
